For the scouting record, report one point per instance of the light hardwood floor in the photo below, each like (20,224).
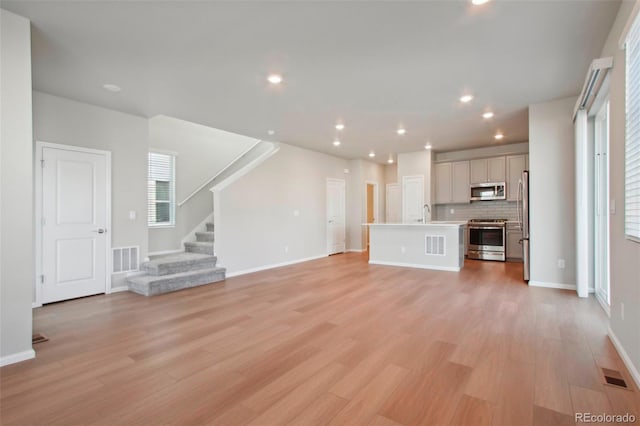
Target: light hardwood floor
(332,341)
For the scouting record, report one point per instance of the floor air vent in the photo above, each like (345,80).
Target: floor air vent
(434,245)
(38,338)
(614,378)
(126,259)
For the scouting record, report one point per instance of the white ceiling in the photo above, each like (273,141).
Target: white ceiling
(374,65)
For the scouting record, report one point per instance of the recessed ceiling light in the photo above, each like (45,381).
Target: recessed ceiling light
(275,79)
(336,143)
(339,126)
(401,131)
(390,161)
(111,87)
(499,136)
(372,154)
(479,2)
(427,146)
(487,115)
(271,132)
(466,98)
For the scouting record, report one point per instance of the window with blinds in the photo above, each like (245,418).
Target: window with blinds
(632,143)
(161,190)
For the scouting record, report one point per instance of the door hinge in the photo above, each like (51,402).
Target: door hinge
(43,221)
(42,279)
(42,163)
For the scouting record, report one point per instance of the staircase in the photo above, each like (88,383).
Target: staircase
(193,267)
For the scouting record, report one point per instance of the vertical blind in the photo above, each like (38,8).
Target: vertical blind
(632,143)
(161,190)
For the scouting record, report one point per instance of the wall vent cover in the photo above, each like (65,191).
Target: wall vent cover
(125,259)
(434,245)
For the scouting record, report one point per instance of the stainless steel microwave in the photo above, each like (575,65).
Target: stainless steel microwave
(488,191)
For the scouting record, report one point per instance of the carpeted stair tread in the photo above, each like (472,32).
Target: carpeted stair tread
(180,262)
(199,247)
(205,236)
(149,285)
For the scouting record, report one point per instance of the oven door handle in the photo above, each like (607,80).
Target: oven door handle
(486,227)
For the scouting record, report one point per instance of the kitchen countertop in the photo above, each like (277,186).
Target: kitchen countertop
(452,223)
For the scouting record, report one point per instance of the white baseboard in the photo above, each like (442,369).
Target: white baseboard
(625,357)
(415,265)
(545,284)
(274,265)
(19,357)
(36,305)
(120,288)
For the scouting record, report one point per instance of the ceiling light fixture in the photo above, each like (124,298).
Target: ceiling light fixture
(479,2)
(390,161)
(274,79)
(427,146)
(111,87)
(271,132)
(401,131)
(336,143)
(499,136)
(372,154)
(487,115)
(466,98)
(339,126)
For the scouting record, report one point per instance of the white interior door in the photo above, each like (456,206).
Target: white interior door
(336,214)
(412,198)
(394,203)
(601,205)
(74,224)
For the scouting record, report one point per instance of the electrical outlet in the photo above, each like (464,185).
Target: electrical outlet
(403,249)
(561,264)
(452,211)
(296,213)
(622,311)
(286,249)
(612,206)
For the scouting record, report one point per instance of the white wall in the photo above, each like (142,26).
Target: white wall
(552,192)
(418,163)
(63,121)
(625,254)
(256,221)
(16,190)
(202,152)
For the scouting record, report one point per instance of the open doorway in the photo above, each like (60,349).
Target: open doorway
(371,207)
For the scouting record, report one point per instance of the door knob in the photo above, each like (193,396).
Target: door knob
(100,231)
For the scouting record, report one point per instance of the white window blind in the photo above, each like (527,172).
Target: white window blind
(161,190)
(632,143)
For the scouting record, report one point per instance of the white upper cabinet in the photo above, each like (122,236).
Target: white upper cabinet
(442,183)
(487,170)
(515,165)
(460,192)
(451,182)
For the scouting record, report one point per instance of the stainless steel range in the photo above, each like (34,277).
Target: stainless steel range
(487,239)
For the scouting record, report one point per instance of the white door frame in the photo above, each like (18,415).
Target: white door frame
(602,223)
(38,213)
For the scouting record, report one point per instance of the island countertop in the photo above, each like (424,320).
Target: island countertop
(420,224)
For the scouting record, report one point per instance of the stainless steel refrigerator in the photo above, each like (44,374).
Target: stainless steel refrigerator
(522,207)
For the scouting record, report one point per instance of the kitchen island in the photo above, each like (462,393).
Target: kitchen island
(432,245)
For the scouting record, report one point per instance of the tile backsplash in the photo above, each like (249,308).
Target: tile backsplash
(477,210)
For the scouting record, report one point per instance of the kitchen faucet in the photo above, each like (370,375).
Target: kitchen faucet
(424,216)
